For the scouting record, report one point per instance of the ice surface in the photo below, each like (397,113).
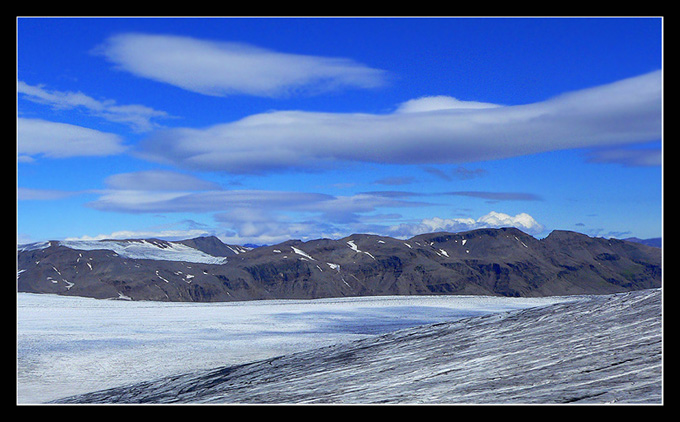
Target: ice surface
(33,246)
(72,345)
(147,250)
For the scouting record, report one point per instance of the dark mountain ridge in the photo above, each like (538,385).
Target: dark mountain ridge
(504,261)
(655,241)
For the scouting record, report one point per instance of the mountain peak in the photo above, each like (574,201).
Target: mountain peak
(212,245)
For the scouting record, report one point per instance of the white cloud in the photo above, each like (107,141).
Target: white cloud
(627,111)
(494,219)
(61,140)
(151,201)
(440,102)
(522,221)
(136,116)
(225,68)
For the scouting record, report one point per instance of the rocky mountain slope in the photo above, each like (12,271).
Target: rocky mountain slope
(503,261)
(598,349)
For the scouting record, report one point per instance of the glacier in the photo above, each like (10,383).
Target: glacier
(144,249)
(600,349)
(74,345)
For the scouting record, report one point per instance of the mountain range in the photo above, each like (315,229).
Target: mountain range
(505,262)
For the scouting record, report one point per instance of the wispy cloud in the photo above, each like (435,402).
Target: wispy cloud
(227,68)
(29,194)
(265,217)
(395,180)
(158,180)
(463,173)
(458,173)
(36,137)
(245,216)
(144,199)
(498,196)
(628,111)
(439,173)
(138,117)
(163,201)
(646,157)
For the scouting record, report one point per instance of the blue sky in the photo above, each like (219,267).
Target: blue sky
(260,130)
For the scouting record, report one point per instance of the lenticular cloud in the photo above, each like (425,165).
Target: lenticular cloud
(227,68)
(37,137)
(628,111)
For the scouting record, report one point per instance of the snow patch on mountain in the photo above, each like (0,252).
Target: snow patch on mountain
(303,253)
(144,249)
(356,249)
